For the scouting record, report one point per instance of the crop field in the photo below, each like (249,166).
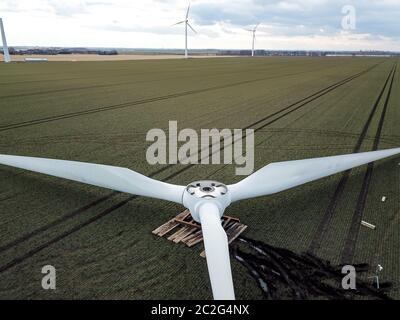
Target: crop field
(100,241)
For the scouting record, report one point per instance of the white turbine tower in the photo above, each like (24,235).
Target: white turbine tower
(253,31)
(187,24)
(5,47)
(206,200)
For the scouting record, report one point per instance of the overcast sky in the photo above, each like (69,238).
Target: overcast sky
(285,24)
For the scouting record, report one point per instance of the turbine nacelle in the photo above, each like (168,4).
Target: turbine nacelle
(206,191)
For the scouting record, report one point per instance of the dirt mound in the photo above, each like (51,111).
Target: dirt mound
(283,274)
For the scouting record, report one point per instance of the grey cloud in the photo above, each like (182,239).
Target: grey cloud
(373,17)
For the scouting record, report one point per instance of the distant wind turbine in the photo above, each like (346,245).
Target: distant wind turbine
(5,47)
(254,30)
(187,24)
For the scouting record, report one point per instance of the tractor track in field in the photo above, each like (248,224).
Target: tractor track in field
(330,210)
(352,235)
(27,94)
(333,133)
(39,248)
(303,102)
(125,104)
(150,100)
(109,85)
(126,140)
(74,229)
(156,72)
(54,223)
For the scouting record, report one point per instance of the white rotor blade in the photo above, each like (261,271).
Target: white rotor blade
(217,252)
(281,176)
(187,12)
(191,27)
(115,178)
(177,23)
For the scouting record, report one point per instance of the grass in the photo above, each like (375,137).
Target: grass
(100,112)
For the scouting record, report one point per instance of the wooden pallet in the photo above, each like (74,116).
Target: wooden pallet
(183,229)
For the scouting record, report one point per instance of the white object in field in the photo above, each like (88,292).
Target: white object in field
(253,31)
(187,24)
(35,59)
(206,200)
(383,199)
(368,225)
(5,46)
(281,176)
(379,269)
(217,252)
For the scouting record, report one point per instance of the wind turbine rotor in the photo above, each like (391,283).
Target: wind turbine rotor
(206,200)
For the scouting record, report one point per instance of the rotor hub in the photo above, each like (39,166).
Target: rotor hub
(199,192)
(207,189)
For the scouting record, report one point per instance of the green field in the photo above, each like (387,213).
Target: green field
(101,243)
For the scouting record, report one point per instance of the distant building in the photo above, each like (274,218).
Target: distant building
(35,59)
